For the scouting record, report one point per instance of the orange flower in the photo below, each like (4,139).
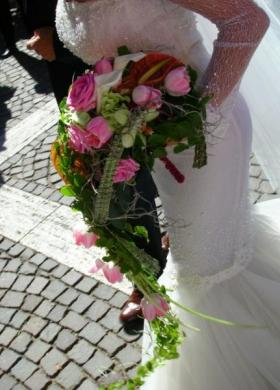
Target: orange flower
(151,70)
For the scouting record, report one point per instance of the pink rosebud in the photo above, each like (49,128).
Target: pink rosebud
(156,306)
(143,95)
(177,82)
(148,309)
(82,94)
(98,131)
(126,170)
(86,239)
(77,139)
(99,264)
(103,66)
(112,273)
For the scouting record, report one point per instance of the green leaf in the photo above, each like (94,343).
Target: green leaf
(180,148)
(193,74)
(67,191)
(123,50)
(158,139)
(141,231)
(159,152)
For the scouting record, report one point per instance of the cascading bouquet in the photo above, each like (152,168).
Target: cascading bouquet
(118,118)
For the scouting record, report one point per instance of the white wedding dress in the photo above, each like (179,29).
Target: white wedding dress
(224,260)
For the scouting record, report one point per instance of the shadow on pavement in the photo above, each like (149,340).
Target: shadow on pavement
(34,67)
(6,93)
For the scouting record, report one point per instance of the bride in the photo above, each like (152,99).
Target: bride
(223,260)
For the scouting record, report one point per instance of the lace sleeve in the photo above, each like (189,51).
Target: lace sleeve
(241,25)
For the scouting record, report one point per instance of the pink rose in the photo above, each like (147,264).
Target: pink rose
(84,238)
(126,170)
(82,94)
(103,66)
(143,95)
(112,273)
(78,139)
(177,82)
(156,306)
(99,132)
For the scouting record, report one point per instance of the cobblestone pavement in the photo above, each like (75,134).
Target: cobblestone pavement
(59,329)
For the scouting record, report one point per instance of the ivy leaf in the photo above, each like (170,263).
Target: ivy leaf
(180,148)
(159,152)
(141,231)
(158,140)
(67,191)
(123,50)
(193,74)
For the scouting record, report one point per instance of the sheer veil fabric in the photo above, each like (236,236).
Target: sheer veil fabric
(223,260)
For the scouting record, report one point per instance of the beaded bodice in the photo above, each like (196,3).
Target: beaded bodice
(97,28)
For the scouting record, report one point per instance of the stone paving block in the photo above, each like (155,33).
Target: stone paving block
(88,385)
(19,319)
(1,327)
(103,291)
(255,170)
(37,350)
(16,250)
(71,376)
(53,362)
(54,386)
(82,303)
(93,332)
(111,343)
(13,299)
(35,325)
(129,356)
(119,299)
(65,340)
(28,269)
(81,352)
(31,302)
(87,284)
(6,244)
(73,321)
(7,279)
(254,184)
(266,187)
(13,265)
(54,289)
(50,332)
(37,285)
(7,336)
(99,364)
(8,359)
(111,320)
(68,297)
(110,377)
(254,197)
(3,264)
(23,369)
(48,265)
(130,337)
(44,308)
(6,314)
(22,282)
(97,310)
(38,258)
(57,313)
(72,277)
(38,380)
(27,254)
(60,271)
(55,197)
(20,386)
(21,342)
(7,382)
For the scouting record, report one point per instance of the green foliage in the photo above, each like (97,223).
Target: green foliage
(123,50)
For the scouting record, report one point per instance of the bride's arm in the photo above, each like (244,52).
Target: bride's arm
(241,25)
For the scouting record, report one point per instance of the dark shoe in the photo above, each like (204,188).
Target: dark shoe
(132,310)
(6,53)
